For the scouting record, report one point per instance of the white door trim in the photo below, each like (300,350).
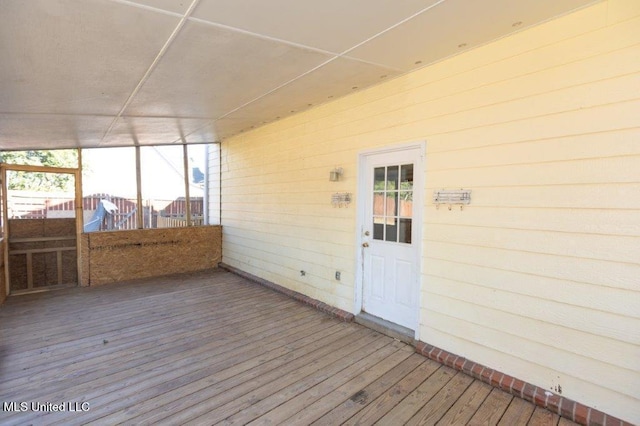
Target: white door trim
(361,220)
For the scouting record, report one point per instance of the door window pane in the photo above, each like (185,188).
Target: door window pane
(406,204)
(378,203)
(378,228)
(378,179)
(392,204)
(406,176)
(392,178)
(406,188)
(391,230)
(405,231)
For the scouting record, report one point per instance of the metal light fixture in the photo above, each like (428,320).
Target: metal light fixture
(335,174)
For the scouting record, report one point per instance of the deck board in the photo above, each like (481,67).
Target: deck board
(214,348)
(246,394)
(232,390)
(492,409)
(542,417)
(304,384)
(375,391)
(466,405)
(437,405)
(311,411)
(518,412)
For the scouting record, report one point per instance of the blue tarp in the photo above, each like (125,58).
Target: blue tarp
(104,207)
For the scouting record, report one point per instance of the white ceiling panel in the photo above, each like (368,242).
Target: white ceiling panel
(75,56)
(320,86)
(229,126)
(206,133)
(91,73)
(331,25)
(47,131)
(456,25)
(153,130)
(209,71)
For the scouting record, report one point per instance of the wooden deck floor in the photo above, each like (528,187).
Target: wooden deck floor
(214,348)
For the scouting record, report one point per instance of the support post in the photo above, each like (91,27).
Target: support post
(139,212)
(185,160)
(79,222)
(5,228)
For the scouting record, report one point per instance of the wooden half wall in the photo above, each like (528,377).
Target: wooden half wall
(122,255)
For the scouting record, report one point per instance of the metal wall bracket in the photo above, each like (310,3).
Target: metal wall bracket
(341,199)
(452,197)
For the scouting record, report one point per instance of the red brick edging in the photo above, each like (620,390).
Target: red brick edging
(321,306)
(564,407)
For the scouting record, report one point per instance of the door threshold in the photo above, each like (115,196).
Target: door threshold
(387,328)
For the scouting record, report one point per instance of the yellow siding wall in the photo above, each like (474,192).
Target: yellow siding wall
(540,276)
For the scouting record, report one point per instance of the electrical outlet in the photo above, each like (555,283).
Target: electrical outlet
(338,275)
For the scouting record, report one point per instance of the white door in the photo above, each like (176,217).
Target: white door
(391,239)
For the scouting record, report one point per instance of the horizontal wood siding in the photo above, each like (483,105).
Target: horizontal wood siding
(538,276)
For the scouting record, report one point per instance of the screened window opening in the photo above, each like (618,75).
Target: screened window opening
(109,197)
(110,187)
(172,180)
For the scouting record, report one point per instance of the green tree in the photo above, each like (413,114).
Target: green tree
(39,181)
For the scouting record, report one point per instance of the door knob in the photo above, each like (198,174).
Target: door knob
(365,244)
(367,233)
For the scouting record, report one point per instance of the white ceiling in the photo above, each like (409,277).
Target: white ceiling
(89,73)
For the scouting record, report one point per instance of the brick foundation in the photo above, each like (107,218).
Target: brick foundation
(562,406)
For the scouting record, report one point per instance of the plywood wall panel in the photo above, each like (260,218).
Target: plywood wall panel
(123,255)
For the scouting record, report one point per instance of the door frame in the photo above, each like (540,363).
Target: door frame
(361,220)
(4,167)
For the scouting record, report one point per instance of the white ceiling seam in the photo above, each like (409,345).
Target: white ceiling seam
(293,44)
(262,36)
(335,55)
(147,7)
(153,65)
(397,24)
(277,88)
(182,138)
(343,54)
